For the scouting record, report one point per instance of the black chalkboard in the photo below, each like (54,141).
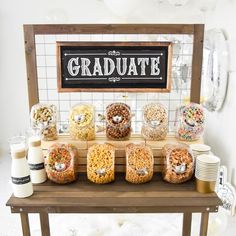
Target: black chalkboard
(116,66)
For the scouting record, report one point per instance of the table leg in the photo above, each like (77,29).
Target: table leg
(44,222)
(204,223)
(25,224)
(187,220)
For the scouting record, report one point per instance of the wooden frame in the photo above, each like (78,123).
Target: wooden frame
(169,66)
(197,30)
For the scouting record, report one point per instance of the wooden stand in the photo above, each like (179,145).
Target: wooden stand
(120,196)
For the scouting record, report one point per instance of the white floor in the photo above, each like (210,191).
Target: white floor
(105,224)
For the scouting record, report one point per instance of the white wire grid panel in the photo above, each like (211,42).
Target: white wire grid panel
(47,77)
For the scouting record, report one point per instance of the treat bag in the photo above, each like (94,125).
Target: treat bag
(101,163)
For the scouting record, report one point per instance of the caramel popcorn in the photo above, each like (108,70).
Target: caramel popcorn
(101,163)
(118,121)
(179,163)
(139,163)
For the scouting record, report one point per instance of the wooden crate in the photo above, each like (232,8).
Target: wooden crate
(120,163)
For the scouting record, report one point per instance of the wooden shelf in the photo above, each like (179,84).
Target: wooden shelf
(119,145)
(119,196)
(120,161)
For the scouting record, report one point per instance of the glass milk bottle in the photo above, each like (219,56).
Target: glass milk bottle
(36,160)
(20,173)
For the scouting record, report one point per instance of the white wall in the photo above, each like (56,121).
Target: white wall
(221,126)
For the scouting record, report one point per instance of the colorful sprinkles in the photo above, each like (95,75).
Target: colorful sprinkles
(190,123)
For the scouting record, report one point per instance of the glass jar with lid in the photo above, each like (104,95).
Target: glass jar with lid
(178,163)
(190,122)
(81,122)
(43,117)
(155,122)
(118,121)
(139,163)
(60,163)
(101,163)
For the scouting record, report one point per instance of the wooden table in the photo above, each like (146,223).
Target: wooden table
(118,197)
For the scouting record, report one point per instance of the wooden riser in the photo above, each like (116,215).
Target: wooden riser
(120,160)
(135,138)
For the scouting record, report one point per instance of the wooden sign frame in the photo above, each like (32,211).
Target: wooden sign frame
(101,45)
(197,30)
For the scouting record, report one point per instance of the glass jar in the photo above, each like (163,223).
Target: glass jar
(178,163)
(44,118)
(118,121)
(81,122)
(60,163)
(139,163)
(155,122)
(101,163)
(190,122)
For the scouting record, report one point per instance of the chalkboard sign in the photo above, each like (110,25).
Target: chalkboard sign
(114,66)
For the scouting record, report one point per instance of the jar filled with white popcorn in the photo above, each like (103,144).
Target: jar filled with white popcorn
(155,121)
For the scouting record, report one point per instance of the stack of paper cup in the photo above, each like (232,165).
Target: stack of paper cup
(199,149)
(206,172)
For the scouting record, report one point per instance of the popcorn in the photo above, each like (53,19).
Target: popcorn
(81,122)
(139,163)
(59,163)
(179,163)
(190,124)
(44,118)
(155,125)
(101,163)
(118,121)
